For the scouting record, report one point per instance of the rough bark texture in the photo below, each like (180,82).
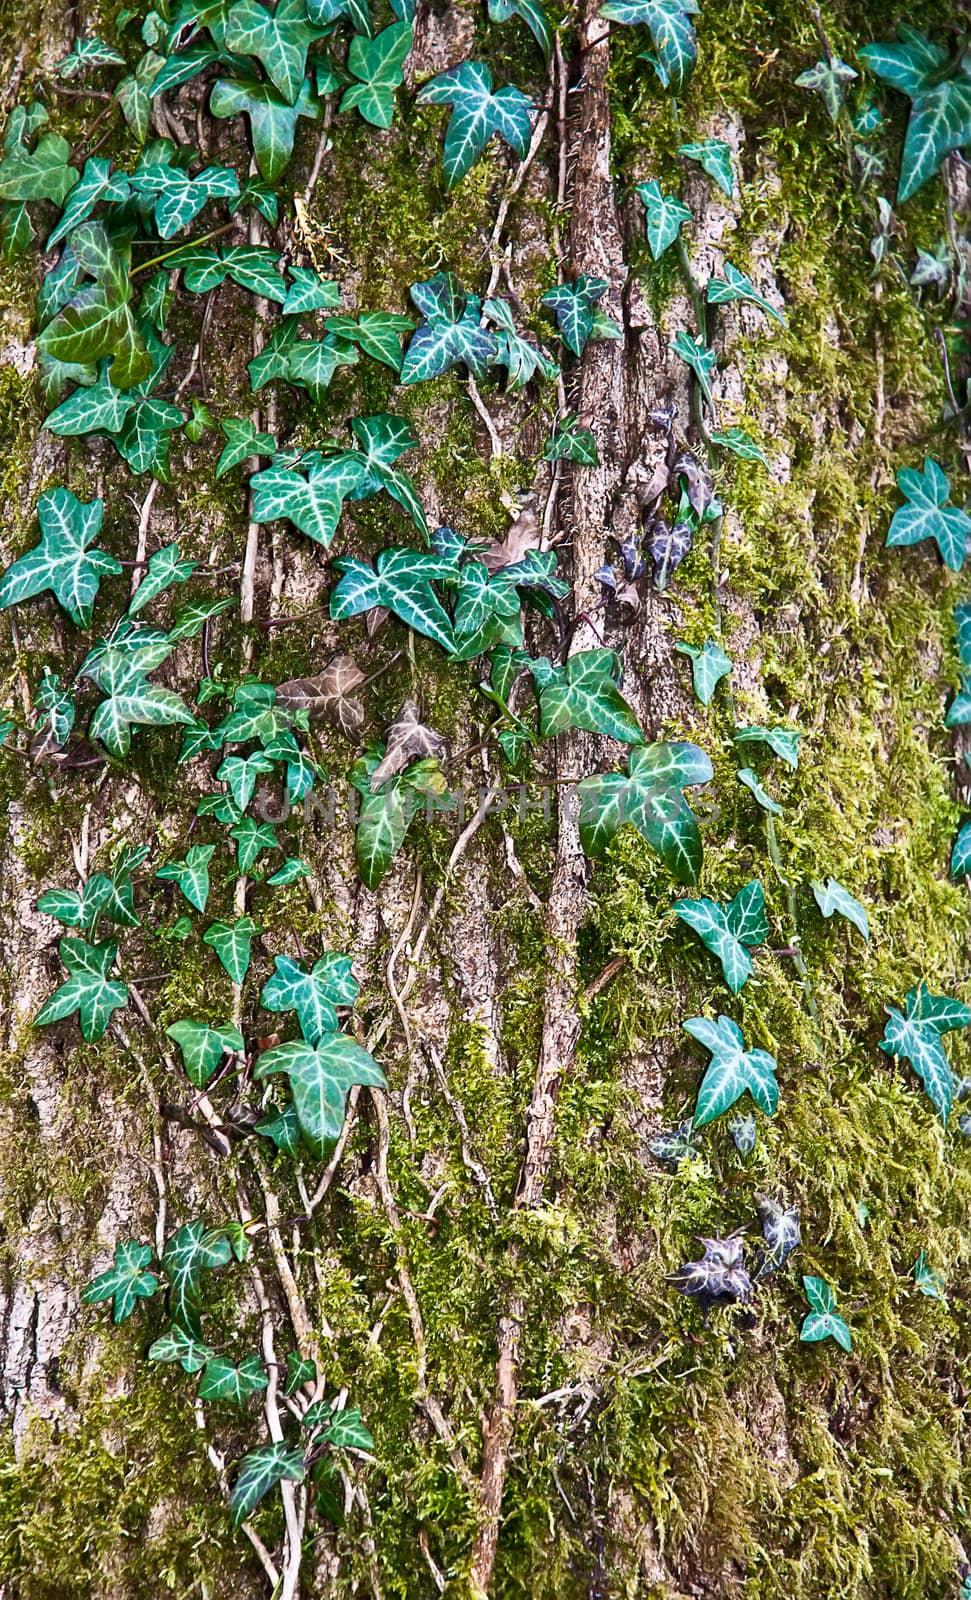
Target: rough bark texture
(484,1266)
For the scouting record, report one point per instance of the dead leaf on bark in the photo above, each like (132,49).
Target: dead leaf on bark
(331,695)
(408,740)
(521,536)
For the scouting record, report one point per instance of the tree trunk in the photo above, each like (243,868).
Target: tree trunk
(482,1268)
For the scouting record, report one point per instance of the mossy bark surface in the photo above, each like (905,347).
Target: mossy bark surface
(487,1271)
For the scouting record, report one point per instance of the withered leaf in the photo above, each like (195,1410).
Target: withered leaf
(331,695)
(408,739)
(521,536)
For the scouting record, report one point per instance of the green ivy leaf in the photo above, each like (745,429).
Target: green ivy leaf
(702,361)
(649,796)
(740,443)
(120,671)
(252,838)
(927,515)
(278,39)
(916,1037)
(221,1380)
(709,665)
(96,184)
(165,568)
(231,942)
(737,285)
(940,112)
(283,1129)
(378,333)
(961,853)
(751,782)
(313,995)
(532,14)
(574,305)
(732,1071)
(831,896)
(63,561)
(240,773)
(320,1076)
(521,359)
(342,1430)
(783,742)
(43,173)
(243,443)
(583,694)
(293,868)
(310,292)
(827,79)
(89,991)
(571,442)
(177,198)
(715,158)
(729,932)
(134,94)
(192,1250)
(665,216)
(272,120)
(301,1370)
(477,114)
(191,874)
(823,1321)
(125,1282)
(260,1472)
(377,64)
(450,334)
(86,53)
(671,32)
(204,1047)
(926,1279)
(96,320)
(401,580)
(179,1347)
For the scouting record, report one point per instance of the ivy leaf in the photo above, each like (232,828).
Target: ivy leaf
(283,1129)
(649,796)
(740,443)
(702,361)
(97,319)
(378,333)
(781,1232)
(675,1145)
(63,561)
(783,742)
(231,942)
(191,874)
(667,546)
(95,184)
(192,1250)
(272,120)
(665,216)
(240,773)
(715,158)
(408,739)
(204,1047)
(120,671)
(292,869)
(751,782)
(571,442)
(708,666)
(252,838)
(301,1370)
(243,443)
(732,1071)
(574,305)
(521,359)
(823,1321)
(940,112)
(729,933)
(961,853)
(532,14)
(377,64)
(177,1346)
(583,694)
(450,334)
(744,1132)
(178,199)
(927,515)
(342,1430)
(312,502)
(320,1076)
(165,567)
(477,113)
(125,1282)
(926,1279)
(221,1380)
(737,285)
(313,995)
(831,896)
(919,1042)
(278,39)
(85,53)
(827,79)
(89,991)
(310,292)
(260,1472)
(720,1277)
(134,94)
(401,581)
(671,32)
(43,173)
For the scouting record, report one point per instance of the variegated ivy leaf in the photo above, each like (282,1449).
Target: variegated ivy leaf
(823,1321)
(737,285)
(961,853)
(916,1037)
(177,1346)
(341,1429)
(783,742)
(378,65)
(221,1380)
(310,292)
(272,119)
(720,1277)
(191,1251)
(927,514)
(204,1047)
(709,665)
(88,990)
(649,796)
(260,1472)
(450,333)
(125,1282)
(377,333)
(243,443)
(64,561)
(665,216)
(729,932)
(191,874)
(673,37)
(751,782)
(87,53)
(232,942)
(570,441)
(667,545)
(478,112)
(532,14)
(521,359)
(578,315)
(313,995)
(940,112)
(320,1076)
(279,40)
(926,1280)
(401,581)
(165,567)
(740,443)
(781,1232)
(732,1071)
(675,1145)
(583,694)
(715,158)
(744,1131)
(178,199)
(827,78)
(831,896)
(695,354)
(96,184)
